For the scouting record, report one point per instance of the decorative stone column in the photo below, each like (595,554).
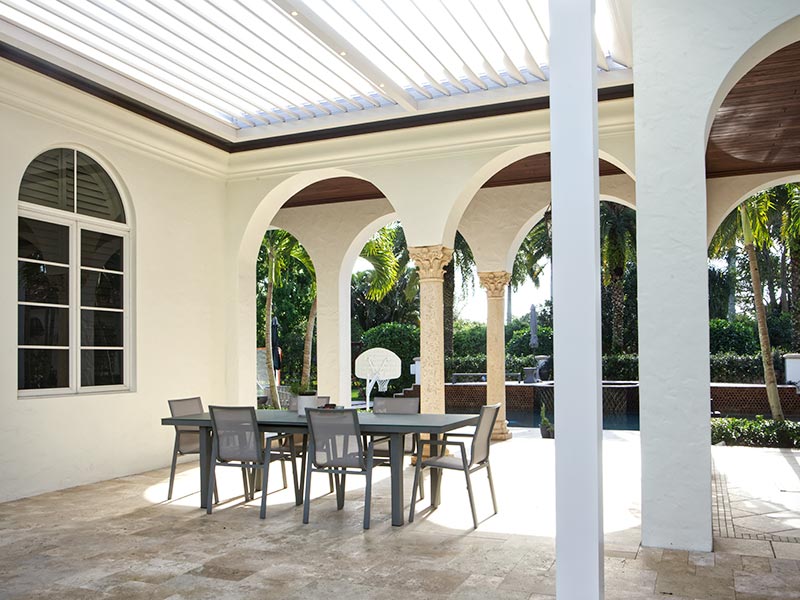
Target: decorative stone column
(495,282)
(430,262)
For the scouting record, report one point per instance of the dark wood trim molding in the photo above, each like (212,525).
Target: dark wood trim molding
(79,82)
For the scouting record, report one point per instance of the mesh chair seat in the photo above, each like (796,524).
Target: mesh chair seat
(444,462)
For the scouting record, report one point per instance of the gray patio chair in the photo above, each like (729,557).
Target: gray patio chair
(187,438)
(237,442)
(476,459)
(335,447)
(397,406)
(321,401)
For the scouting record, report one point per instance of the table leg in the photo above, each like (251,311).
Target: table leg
(396,447)
(205,464)
(304,450)
(436,475)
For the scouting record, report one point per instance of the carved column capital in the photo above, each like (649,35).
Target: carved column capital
(494,282)
(430,261)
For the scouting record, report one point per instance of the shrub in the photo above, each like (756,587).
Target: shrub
(403,340)
(621,367)
(735,368)
(469,338)
(756,432)
(520,342)
(737,337)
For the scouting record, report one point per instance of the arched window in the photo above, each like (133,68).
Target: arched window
(73,285)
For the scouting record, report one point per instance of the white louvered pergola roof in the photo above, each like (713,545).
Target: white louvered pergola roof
(249,69)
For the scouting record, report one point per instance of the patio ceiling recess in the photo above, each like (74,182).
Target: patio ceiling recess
(250,73)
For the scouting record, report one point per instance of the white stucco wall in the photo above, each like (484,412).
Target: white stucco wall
(177,204)
(686,55)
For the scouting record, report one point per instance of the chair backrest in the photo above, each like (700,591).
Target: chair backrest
(236,435)
(183,407)
(483,434)
(188,435)
(395,406)
(335,438)
(321,401)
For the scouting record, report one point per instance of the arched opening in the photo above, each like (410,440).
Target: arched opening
(321,222)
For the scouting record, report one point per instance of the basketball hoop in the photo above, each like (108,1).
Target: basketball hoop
(378,366)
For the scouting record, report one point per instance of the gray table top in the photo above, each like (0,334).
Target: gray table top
(284,420)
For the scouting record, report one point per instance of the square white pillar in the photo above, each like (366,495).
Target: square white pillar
(576,300)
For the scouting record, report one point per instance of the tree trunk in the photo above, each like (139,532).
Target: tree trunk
(448,292)
(761,318)
(617,314)
(731,284)
(769,279)
(273,386)
(305,377)
(784,282)
(794,279)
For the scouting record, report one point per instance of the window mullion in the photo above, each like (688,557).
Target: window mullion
(75,307)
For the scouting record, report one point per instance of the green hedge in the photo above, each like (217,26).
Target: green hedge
(757,432)
(735,368)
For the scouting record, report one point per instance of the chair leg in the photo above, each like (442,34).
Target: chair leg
(491,486)
(307,497)
(283,473)
(471,499)
(422,485)
(216,493)
(174,464)
(249,489)
(264,478)
(331,483)
(417,484)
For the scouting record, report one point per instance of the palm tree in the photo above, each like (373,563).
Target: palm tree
(464,262)
(617,247)
(760,206)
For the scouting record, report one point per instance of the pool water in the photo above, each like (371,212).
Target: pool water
(627,422)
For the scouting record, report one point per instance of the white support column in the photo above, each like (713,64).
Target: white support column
(333,336)
(576,301)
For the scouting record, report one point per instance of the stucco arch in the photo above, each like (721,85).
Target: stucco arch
(768,43)
(269,205)
(727,193)
(480,177)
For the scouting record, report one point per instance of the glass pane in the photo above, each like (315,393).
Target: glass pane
(101,328)
(43,283)
(103,290)
(42,369)
(43,326)
(97,195)
(101,367)
(101,250)
(39,240)
(50,180)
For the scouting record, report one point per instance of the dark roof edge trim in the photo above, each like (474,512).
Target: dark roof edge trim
(79,82)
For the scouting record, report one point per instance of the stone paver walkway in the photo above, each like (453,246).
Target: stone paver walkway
(121,539)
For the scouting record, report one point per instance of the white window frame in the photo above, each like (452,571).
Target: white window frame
(77,223)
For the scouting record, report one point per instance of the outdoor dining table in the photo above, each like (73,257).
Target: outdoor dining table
(395,426)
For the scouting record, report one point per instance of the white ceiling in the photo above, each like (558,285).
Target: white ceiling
(250,69)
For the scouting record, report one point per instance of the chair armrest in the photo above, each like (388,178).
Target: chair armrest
(465,435)
(440,443)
